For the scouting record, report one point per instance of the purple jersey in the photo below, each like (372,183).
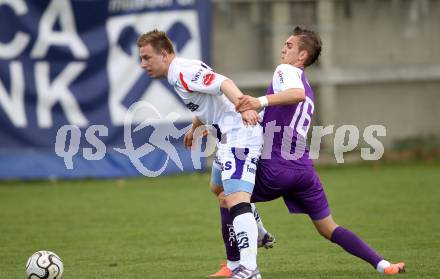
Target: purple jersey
(288,124)
(285,169)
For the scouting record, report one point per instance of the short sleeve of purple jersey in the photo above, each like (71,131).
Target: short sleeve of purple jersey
(287,77)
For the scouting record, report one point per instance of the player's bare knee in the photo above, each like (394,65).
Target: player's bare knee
(222,200)
(216,189)
(328,230)
(325,232)
(236,198)
(325,226)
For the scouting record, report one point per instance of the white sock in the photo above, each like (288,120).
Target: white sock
(382,265)
(246,233)
(261,229)
(232,264)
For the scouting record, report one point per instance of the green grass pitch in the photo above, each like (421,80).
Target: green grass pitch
(169,227)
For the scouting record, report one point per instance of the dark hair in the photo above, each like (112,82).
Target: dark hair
(157,39)
(310,42)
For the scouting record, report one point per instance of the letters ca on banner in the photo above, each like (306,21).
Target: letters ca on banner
(68,62)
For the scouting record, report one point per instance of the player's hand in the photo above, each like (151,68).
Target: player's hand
(189,136)
(246,102)
(250,117)
(188,139)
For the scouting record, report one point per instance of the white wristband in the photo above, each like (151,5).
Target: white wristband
(264,102)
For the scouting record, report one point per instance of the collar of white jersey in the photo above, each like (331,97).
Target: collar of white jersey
(171,69)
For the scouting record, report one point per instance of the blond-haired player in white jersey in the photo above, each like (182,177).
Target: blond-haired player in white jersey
(212,98)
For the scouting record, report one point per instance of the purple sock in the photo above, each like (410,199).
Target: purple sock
(232,252)
(351,243)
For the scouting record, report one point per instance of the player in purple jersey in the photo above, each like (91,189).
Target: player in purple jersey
(285,169)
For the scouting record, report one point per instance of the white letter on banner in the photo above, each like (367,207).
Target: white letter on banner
(20,41)
(196,149)
(68,35)
(72,149)
(338,144)
(14,105)
(96,142)
(315,143)
(369,138)
(49,94)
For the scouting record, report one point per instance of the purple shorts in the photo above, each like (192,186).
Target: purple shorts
(300,188)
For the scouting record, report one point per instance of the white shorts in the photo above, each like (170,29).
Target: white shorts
(234,168)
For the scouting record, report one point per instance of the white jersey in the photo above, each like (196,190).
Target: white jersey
(199,88)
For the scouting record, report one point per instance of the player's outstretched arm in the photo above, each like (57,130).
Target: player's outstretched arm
(233,93)
(286,97)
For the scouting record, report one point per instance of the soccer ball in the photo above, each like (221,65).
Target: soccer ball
(44,265)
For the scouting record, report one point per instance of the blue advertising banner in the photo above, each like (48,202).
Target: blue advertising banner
(74,101)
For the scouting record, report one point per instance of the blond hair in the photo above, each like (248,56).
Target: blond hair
(157,39)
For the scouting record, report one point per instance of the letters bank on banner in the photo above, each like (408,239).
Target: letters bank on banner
(64,64)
